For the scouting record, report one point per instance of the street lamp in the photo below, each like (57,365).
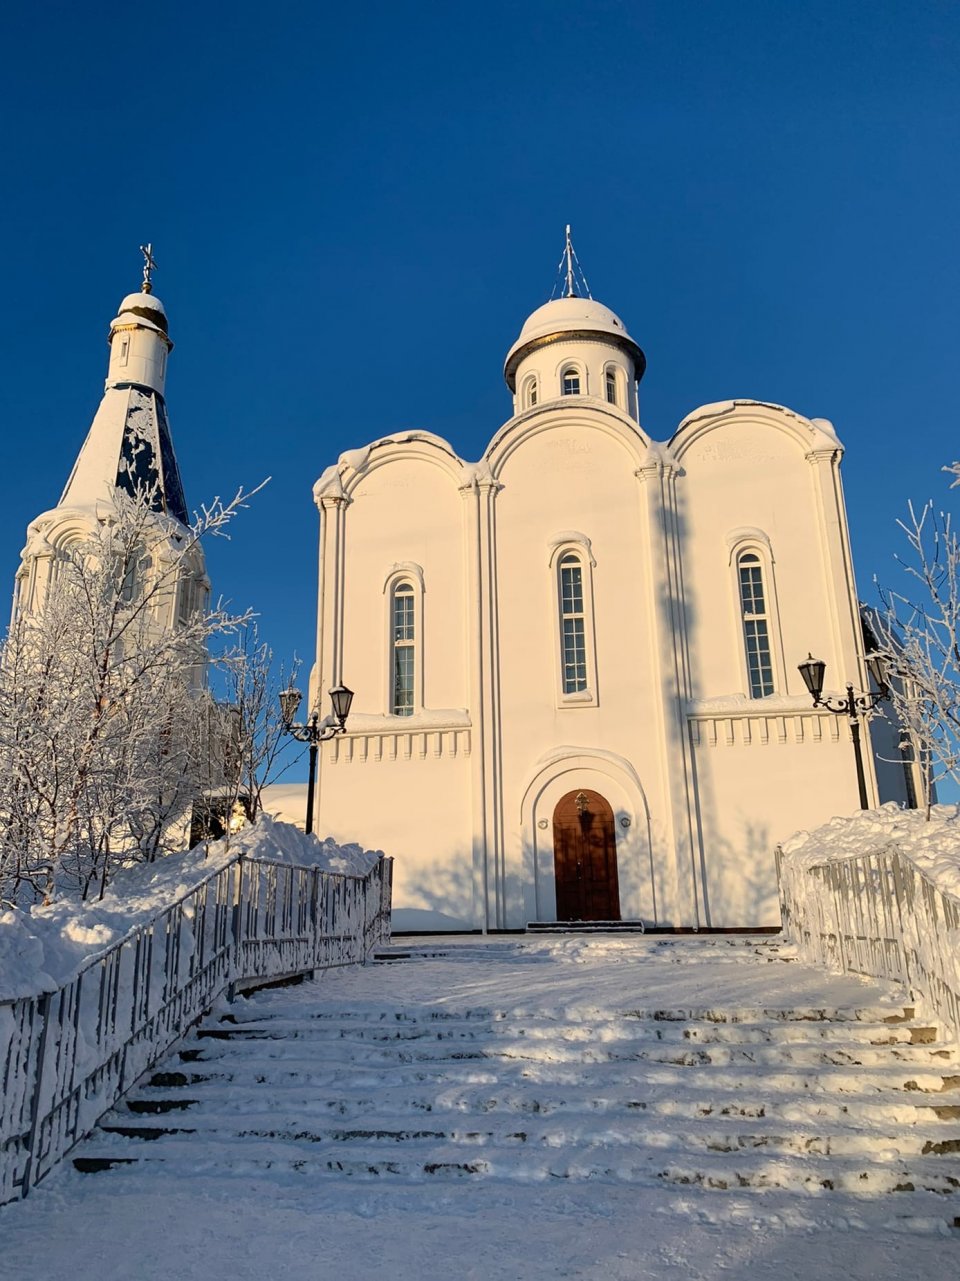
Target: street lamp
(314,731)
(853,706)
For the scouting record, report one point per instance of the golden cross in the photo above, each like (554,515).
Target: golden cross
(149,265)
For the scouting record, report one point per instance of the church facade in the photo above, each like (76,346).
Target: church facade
(575,661)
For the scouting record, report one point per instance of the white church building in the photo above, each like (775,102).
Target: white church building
(575,661)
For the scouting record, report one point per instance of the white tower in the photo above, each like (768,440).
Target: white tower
(128,447)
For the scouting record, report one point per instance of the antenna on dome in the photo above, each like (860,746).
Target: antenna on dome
(571,273)
(149,265)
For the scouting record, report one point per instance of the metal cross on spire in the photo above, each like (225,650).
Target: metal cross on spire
(149,265)
(571,273)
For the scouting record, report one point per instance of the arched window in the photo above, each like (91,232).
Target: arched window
(610,386)
(192,597)
(570,382)
(404,645)
(756,630)
(528,395)
(571,568)
(573,642)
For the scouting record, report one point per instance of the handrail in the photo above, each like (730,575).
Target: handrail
(67,1055)
(878,914)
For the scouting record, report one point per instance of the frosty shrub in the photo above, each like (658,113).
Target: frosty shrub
(104,709)
(919,634)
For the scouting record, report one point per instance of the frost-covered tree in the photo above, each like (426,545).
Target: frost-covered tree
(104,709)
(919,633)
(257,748)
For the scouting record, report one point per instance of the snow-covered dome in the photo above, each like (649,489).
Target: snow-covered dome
(141,306)
(570,317)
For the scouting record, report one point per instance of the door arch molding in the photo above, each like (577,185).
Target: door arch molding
(570,768)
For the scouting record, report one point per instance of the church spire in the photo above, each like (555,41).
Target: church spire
(129,446)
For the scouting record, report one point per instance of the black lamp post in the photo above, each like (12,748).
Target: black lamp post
(853,706)
(313,732)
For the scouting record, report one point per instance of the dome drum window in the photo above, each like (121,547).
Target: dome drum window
(570,382)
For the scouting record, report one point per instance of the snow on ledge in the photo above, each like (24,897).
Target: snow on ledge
(933,846)
(41,948)
(741,705)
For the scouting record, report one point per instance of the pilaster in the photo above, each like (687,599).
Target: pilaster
(670,662)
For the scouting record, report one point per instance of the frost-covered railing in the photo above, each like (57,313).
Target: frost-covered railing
(877,914)
(66,1056)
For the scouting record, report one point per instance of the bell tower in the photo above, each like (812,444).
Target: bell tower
(128,447)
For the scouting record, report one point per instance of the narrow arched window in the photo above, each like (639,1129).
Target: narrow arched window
(528,397)
(756,630)
(404,644)
(610,385)
(570,382)
(573,642)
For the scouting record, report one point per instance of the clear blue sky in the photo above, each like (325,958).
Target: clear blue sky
(355,206)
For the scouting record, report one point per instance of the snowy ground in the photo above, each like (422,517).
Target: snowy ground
(194,1227)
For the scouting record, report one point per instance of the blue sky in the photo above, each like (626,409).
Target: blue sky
(355,207)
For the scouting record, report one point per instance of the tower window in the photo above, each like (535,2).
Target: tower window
(404,649)
(756,632)
(610,384)
(528,395)
(573,645)
(570,382)
(124,350)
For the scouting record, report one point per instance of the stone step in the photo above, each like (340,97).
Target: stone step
(183,1091)
(426,1158)
(615,1029)
(638,1131)
(236,1040)
(259,1012)
(291,1063)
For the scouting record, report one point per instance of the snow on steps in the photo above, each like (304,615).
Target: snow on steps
(837,1103)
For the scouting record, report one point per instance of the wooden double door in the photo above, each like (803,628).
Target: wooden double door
(585,858)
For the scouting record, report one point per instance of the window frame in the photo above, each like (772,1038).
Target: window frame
(530,392)
(403,579)
(612,374)
(576,547)
(572,370)
(756,544)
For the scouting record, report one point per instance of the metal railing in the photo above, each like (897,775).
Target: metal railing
(67,1056)
(877,914)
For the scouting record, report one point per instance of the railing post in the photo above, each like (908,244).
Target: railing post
(315,915)
(234,974)
(35,1110)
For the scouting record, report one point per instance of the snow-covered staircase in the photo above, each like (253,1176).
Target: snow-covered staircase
(855,1102)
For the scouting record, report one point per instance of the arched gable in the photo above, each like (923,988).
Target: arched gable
(807,434)
(570,414)
(353,466)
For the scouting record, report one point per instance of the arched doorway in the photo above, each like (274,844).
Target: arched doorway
(585,858)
